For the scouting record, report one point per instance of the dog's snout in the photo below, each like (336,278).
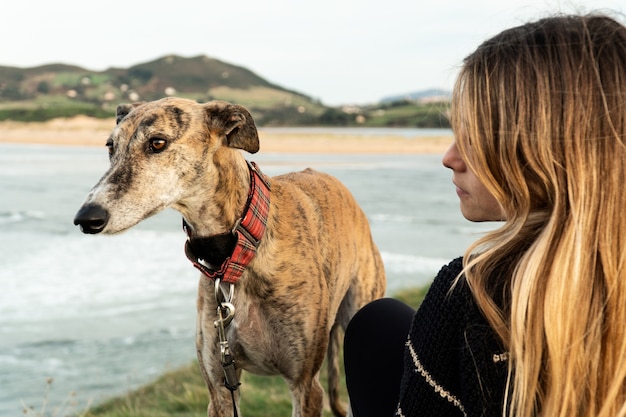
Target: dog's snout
(91,218)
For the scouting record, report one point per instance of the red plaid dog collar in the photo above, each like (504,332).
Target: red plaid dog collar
(248,231)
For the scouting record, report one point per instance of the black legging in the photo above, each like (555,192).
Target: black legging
(373,356)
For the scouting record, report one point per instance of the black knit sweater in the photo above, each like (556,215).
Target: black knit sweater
(453,364)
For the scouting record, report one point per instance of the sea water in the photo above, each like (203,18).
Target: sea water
(103,314)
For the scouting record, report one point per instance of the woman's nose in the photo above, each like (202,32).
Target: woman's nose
(452,158)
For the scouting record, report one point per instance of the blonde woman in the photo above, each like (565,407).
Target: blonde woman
(532,320)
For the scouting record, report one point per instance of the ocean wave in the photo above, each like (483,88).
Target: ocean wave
(76,279)
(391,218)
(11,217)
(81,276)
(407,264)
(56,343)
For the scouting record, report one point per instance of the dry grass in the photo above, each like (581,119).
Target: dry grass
(68,407)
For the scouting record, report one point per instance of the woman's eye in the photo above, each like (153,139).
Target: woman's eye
(157,145)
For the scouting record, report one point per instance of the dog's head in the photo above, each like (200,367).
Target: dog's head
(161,155)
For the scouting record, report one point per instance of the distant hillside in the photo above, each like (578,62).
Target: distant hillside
(59,90)
(424,96)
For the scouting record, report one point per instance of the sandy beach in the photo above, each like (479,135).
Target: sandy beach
(86,131)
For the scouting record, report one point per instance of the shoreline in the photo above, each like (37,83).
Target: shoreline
(87,131)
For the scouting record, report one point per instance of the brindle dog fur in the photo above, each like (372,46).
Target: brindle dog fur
(314,268)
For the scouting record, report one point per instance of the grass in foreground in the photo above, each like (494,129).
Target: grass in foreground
(182,393)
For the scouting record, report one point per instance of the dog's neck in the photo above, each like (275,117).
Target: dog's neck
(215,204)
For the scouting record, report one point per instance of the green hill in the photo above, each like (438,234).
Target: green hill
(59,90)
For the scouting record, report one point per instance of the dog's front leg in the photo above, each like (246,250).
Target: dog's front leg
(308,397)
(207,345)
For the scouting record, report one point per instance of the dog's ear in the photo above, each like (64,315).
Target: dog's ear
(241,131)
(123,109)
(237,125)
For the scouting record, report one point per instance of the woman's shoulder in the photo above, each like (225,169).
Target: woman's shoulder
(449,285)
(446,304)
(449,272)
(449,308)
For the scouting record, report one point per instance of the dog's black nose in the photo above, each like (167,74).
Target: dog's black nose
(91,218)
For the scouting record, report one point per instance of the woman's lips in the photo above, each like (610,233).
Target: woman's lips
(460,192)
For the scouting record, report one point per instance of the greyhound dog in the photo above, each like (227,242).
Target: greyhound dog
(286,261)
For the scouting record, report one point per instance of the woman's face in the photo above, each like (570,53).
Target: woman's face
(477,203)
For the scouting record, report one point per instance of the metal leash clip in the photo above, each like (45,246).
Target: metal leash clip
(221,296)
(225,314)
(231,380)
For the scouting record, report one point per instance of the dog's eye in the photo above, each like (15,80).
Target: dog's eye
(157,145)
(109,146)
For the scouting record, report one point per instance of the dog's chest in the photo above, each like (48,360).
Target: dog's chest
(254,343)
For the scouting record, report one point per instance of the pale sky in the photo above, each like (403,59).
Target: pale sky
(337,51)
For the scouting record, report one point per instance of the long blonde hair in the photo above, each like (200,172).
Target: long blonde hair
(539,112)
